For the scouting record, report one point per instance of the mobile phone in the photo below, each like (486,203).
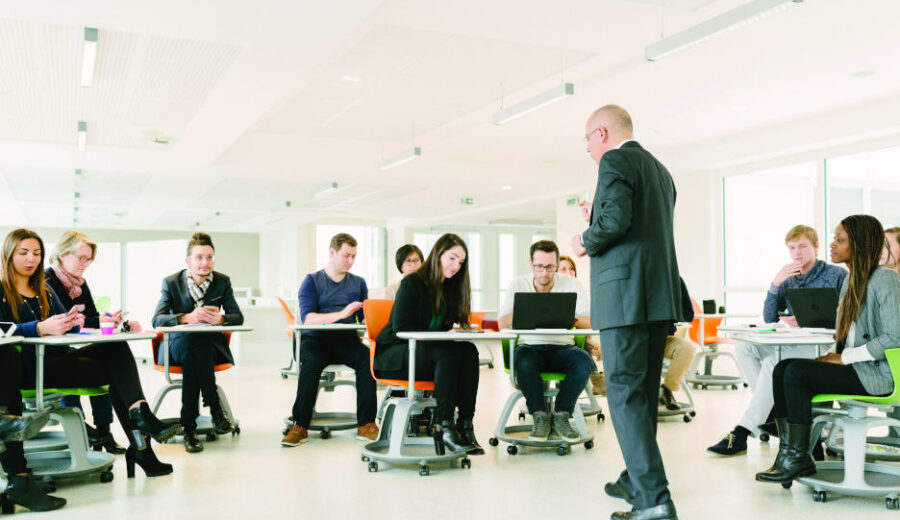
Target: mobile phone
(7,328)
(212,308)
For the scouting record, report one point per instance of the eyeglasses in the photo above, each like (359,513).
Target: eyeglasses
(587,137)
(414,260)
(83,260)
(541,268)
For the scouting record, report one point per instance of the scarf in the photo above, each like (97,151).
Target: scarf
(71,283)
(197,291)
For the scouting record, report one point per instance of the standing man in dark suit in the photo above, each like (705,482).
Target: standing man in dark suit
(635,297)
(195,296)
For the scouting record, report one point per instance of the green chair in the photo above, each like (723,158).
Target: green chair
(102,303)
(512,434)
(853,475)
(53,455)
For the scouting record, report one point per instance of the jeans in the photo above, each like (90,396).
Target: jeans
(570,360)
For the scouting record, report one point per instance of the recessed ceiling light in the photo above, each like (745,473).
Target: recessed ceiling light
(862,74)
(506,187)
(351,79)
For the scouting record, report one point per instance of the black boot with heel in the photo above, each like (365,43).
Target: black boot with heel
(793,460)
(146,459)
(24,491)
(450,438)
(144,420)
(466,431)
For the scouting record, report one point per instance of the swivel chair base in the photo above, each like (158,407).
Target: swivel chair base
(686,408)
(517,435)
(76,460)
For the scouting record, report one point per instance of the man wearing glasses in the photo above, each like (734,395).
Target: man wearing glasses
(550,353)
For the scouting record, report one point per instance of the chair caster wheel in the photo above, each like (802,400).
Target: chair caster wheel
(734,387)
(48,485)
(562,450)
(424,471)
(490,365)
(236,431)
(493,442)
(588,445)
(465,464)
(512,450)
(521,416)
(819,496)
(764,437)
(373,467)
(601,417)
(364,458)
(686,418)
(704,387)
(831,453)
(324,434)
(746,385)
(210,437)
(283,376)
(693,414)
(788,484)
(106,476)
(892,504)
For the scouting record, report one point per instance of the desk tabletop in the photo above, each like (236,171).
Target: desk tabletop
(81,339)
(329,326)
(769,328)
(202,329)
(725,315)
(11,339)
(551,332)
(456,335)
(780,338)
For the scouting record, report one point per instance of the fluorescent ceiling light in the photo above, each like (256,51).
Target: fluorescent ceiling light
(324,190)
(82,136)
(400,158)
(553,95)
(744,14)
(90,56)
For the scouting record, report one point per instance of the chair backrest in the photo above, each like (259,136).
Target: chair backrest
(102,303)
(710,326)
(377,313)
(288,315)
(893,359)
(156,343)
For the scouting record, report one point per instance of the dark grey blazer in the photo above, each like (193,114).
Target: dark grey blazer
(176,300)
(634,272)
(878,328)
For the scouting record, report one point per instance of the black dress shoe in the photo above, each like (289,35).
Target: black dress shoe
(24,491)
(617,490)
(191,443)
(103,440)
(15,428)
(661,512)
(667,399)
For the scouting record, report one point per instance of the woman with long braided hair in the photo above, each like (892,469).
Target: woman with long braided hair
(868,324)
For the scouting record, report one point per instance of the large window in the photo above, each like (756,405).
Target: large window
(146,264)
(759,208)
(370,251)
(508,260)
(864,183)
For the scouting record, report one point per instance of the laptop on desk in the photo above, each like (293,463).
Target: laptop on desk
(814,307)
(544,310)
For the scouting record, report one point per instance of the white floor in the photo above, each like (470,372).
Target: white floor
(252,475)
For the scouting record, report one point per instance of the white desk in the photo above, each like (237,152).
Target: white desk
(191,329)
(452,335)
(297,331)
(783,339)
(71,340)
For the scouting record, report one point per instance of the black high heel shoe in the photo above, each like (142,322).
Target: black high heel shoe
(144,420)
(24,491)
(466,431)
(449,438)
(103,440)
(146,459)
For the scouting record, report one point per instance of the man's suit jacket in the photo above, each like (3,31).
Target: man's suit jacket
(176,300)
(634,272)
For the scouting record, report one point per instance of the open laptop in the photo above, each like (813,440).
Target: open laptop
(814,307)
(544,310)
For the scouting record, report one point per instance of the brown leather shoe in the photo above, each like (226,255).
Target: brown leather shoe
(296,436)
(367,432)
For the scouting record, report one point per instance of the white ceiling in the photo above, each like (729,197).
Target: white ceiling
(269,102)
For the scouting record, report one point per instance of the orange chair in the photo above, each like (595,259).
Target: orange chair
(395,444)
(476,320)
(204,423)
(709,340)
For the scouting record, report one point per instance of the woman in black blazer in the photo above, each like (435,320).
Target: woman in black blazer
(35,308)
(73,253)
(435,298)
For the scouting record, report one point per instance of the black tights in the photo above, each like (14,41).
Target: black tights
(453,366)
(796,381)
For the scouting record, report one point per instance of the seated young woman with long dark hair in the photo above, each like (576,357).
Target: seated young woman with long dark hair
(868,324)
(28,302)
(433,299)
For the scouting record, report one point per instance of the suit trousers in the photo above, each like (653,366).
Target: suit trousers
(321,350)
(632,361)
(197,357)
(453,366)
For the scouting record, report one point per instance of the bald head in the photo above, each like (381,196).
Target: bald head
(613,117)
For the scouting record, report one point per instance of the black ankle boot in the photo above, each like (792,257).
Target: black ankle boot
(794,461)
(144,420)
(24,491)
(449,437)
(466,431)
(102,439)
(146,459)
(15,428)
(220,420)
